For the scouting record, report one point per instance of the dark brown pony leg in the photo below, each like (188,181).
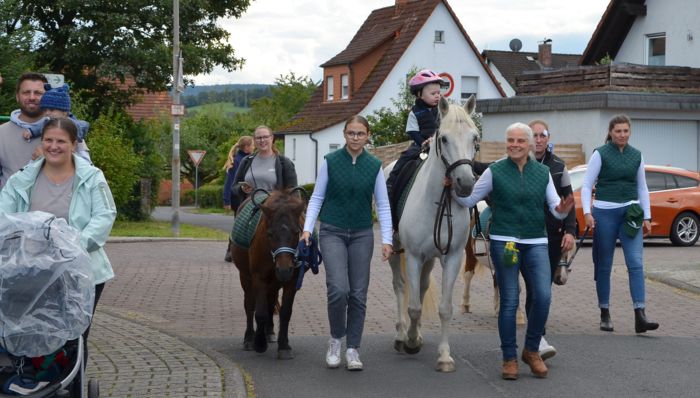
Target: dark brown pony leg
(284,350)
(240,259)
(261,313)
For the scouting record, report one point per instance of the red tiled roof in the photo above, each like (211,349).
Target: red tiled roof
(381,26)
(150,105)
(513,64)
(612,29)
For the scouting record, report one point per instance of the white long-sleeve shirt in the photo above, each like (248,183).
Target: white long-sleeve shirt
(590,178)
(484,186)
(381,198)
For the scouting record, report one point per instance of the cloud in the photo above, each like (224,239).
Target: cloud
(281,36)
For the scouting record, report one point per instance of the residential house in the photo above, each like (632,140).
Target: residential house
(654,79)
(367,74)
(508,65)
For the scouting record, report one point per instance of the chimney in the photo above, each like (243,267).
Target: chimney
(545,54)
(399,6)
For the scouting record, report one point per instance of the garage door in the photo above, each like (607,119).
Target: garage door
(667,142)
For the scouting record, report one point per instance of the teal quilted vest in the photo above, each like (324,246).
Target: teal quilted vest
(348,200)
(517,199)
(617,180)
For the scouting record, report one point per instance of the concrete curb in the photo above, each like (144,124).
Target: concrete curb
(661,277)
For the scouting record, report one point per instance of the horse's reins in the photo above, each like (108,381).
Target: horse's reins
(444,208)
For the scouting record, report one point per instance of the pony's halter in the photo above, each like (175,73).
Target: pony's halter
(449,167)
(285,249)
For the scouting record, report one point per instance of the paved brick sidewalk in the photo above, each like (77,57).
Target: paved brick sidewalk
(185,289)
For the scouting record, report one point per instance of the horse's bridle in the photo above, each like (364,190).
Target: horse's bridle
(444,208)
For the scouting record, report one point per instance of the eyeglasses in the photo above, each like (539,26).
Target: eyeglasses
(263,138)
(356,134)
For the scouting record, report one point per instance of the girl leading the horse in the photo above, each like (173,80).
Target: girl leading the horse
(347,181)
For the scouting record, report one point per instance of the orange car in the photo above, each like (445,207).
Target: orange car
(674,194)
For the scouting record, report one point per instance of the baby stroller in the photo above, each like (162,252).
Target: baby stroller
(46,301)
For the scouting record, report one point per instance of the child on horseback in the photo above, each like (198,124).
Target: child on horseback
(422,120)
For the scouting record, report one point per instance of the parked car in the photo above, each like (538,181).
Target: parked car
(674,195)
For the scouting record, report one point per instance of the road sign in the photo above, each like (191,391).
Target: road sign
(196,156)
(54,79)
(177,110)
(447,89)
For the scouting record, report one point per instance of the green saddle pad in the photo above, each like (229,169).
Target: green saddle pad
(404,194)
(246,222)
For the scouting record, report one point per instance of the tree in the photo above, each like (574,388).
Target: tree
(289,94)
(16,59)
(388,125)
(93,43)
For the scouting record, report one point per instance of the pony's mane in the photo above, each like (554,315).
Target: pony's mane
(454,118)
(282,199)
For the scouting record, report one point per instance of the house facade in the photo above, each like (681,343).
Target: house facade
(368,73)
(654,79)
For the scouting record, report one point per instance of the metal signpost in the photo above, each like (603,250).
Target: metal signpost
(196,156)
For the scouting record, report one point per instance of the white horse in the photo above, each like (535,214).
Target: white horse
(433,226)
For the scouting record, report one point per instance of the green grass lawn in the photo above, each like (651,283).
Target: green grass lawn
(162,229)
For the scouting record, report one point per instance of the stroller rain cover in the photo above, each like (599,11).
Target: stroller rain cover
(46,284)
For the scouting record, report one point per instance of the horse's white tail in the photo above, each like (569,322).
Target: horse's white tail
(430,301)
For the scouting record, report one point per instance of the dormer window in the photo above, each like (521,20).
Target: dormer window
(329,88)
(345,88)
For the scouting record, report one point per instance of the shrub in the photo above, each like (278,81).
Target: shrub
(207,196)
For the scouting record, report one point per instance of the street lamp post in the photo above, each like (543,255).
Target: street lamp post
(175,200)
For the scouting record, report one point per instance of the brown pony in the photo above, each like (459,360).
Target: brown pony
(268,266)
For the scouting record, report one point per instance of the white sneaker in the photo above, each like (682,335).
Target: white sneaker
(353,359)
(546,351)
(333,353)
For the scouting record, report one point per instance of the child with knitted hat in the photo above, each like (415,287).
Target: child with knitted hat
(56,103)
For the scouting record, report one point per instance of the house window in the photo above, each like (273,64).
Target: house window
(439,36)
(656,49)
(470,85)
(329,88)
(294,149)
(333,147)
(345,89)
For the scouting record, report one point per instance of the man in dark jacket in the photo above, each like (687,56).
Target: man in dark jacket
(560,233)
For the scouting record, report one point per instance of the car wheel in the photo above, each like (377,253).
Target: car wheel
(684,231)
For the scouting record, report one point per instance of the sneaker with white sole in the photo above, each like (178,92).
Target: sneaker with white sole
(353,359)
(333,353)
(546,351)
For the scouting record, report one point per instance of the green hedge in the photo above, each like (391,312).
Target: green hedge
(208,196)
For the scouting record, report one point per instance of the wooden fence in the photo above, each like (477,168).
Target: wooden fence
(572,154)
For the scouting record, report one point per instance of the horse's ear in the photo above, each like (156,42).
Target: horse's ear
(443,106)
(470,105)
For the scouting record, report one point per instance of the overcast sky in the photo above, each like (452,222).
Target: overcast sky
(281,36)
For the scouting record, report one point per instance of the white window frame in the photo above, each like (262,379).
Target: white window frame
(344,86)
(329,88)
(647,48)
(464,95)
(439,36)
(333,147)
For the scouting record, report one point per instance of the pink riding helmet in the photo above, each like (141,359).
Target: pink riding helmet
(423,78)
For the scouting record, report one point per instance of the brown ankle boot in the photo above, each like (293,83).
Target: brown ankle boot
(537,366)
(509,371)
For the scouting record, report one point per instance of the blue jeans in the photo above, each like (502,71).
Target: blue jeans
(534,261)
(347,255)
(608,229)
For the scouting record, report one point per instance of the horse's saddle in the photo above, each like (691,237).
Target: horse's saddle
(402,186)
(246,222)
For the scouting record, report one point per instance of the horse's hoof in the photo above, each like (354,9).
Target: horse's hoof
(445,367)
(247,345)
(398,345)
(285,354)
(411,350)
(465,309)
(271,338)
(260,344)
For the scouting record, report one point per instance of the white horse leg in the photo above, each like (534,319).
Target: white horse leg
(451,265)
(413,345)
(398,282)
(467,276)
